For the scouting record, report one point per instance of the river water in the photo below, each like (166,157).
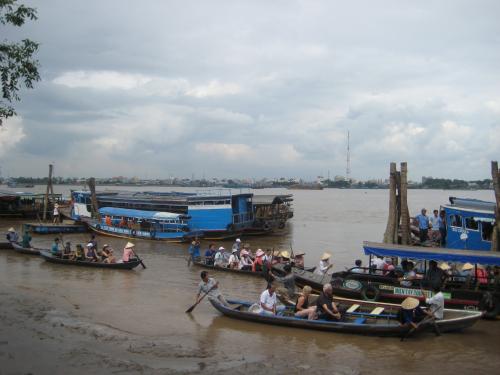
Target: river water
(142,328)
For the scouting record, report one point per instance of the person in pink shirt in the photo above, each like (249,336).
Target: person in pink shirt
(128,252)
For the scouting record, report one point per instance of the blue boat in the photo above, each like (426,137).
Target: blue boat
(469,223)
(218,216)
(148,225)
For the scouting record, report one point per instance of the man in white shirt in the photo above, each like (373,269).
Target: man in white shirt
(267,301)
(436,303)
(378,263)
(219,259)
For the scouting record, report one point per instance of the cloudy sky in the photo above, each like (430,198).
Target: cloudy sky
(259,89)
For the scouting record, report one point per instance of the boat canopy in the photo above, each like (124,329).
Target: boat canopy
(430,253)
(140,214)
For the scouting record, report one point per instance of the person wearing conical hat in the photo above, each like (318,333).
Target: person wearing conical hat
(298,259)
(128,252)
(411,313)
(12,235)
(324,264)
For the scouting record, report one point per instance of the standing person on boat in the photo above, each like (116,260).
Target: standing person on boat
(220,259)
(434,276)
(55,248)
(442,228)
(288,290)
(267,301)
(210,286)
(245,261)
(435,221)
(302,308)
(56,214)
(234,261)
(423,225)
(324,264)
(325,307)
(194,250)
(436,303)
(210,254)
(12,235)
(237,246)
(26,239)
(128,253)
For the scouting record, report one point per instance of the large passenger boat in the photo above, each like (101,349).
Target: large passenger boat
(217,214)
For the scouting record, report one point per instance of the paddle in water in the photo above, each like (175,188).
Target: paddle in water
(197,302)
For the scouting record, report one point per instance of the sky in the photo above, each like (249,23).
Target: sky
(258,89)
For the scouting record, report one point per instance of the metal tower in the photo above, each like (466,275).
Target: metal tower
(348,161)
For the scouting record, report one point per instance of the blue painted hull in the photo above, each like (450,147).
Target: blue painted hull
(145,235)
(54,229)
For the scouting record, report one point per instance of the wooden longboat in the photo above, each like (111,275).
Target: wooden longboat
(49,228)
(120,266)
(226,269)
(365,323)
(26,250)
(6,245)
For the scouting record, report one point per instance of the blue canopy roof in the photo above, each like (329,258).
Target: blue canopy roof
(140,214)
(429,253)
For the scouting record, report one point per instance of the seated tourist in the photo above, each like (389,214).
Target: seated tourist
(56,249)
(79,253)
(234,261)
(409,274)
(302,307)
(210,254)
(105,252)
(258,263)
(90,255)
(66,253)
(220,259)
(267,301)
(111,257)
(245,261)
(358,268)
(325,307)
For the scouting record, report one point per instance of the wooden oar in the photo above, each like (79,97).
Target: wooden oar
(427,319)
(196,304)
(140,260)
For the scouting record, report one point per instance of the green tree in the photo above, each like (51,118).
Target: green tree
(17,64)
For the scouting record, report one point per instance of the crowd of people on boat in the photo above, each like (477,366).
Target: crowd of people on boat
(430,228)
(91,252)
(242,257)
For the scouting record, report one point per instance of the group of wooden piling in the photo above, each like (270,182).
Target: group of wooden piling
(398,222)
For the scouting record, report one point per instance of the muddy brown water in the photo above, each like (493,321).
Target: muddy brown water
(149,304)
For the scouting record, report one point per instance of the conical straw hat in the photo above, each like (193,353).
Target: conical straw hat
(326,256)
(285,254)
(409,303)
(11,229)
(129,245)
(444,266)
(467,266)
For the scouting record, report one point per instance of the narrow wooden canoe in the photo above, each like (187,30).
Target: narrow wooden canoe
(365,323)
(6,245)
(120,266)
(26,250)
(225,269)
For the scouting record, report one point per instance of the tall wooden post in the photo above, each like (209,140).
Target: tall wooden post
(405,213)
(495,175)
(95,208)
(391,220)
(51,189)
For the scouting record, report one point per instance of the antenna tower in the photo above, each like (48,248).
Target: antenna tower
(348,161)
